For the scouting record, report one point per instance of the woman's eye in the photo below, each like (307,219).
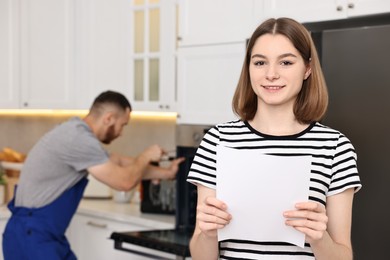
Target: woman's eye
(286,63)
(259,63)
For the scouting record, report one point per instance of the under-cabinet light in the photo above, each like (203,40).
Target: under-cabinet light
(58,112)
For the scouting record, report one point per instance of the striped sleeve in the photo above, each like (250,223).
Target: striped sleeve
(203,168)
(344,168)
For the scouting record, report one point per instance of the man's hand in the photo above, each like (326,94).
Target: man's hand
(153,153)
(174,167)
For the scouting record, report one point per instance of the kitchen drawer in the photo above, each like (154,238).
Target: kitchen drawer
(89,237)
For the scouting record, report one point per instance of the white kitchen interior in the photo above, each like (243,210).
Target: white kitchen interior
(177,61)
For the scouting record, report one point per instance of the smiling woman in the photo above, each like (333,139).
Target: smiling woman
(280,97)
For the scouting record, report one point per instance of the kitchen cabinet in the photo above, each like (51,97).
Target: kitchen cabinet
(89,237)
(317,10)
(128,46)
(9,61)
(47,54)
(207,78)
(3,222)
(367,7)
(37,68)
(212,39)
(152,55)
(305,10)
(62,54)
(91,227)
(102,52)
(215,22)
(4,216)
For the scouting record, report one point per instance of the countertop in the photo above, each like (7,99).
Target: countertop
(111,210)
(125,212)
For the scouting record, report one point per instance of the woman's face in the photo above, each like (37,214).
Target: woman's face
(276,70)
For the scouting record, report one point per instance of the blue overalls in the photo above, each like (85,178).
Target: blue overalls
(39,233)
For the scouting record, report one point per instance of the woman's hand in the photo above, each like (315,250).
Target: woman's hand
(309,218)
(212,215)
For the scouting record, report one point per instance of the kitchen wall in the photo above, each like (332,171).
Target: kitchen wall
(22,132)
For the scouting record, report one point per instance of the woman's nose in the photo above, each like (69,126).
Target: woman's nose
(272,73)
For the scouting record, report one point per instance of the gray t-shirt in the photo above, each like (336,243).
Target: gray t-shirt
(57,162)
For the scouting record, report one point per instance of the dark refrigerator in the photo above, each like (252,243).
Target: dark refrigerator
(355,56)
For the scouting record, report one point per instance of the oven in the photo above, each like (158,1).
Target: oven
(174,241)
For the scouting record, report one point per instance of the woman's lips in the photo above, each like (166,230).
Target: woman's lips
(272,87)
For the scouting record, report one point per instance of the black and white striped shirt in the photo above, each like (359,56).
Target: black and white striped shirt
(333,170)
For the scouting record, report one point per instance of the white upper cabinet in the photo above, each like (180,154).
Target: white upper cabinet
(152,54)
(128,46)
(9,61)
(62,54)
(305,10)
(37,50)
(102,49)
(47,53)
(319,10)
(207,79)
(214,22)
(367,7)
(212,43)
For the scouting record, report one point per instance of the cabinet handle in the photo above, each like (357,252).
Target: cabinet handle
(351,5)
(339,8)
(163,106)
(25,104)
(94,224)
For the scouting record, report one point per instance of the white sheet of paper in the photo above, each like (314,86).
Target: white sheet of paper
(257,189)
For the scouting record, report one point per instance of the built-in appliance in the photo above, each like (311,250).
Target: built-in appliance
(158,196)
(174,241)
(355,58)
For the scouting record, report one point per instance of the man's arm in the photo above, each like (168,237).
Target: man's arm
(122,173)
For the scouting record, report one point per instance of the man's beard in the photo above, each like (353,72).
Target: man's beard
(110,135)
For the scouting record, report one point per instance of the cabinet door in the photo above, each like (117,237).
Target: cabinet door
(367,7)
(207,79)
(127,46)
(102,52)
(215,22)
(3,223)
(306,10)
(152,53)
(89,237)
(47,53)
(9,46)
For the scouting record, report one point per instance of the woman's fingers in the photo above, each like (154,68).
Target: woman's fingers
(310,218)
(218,217)
(306,223)
(212,214)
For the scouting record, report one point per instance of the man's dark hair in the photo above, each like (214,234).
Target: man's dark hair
(112,98)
